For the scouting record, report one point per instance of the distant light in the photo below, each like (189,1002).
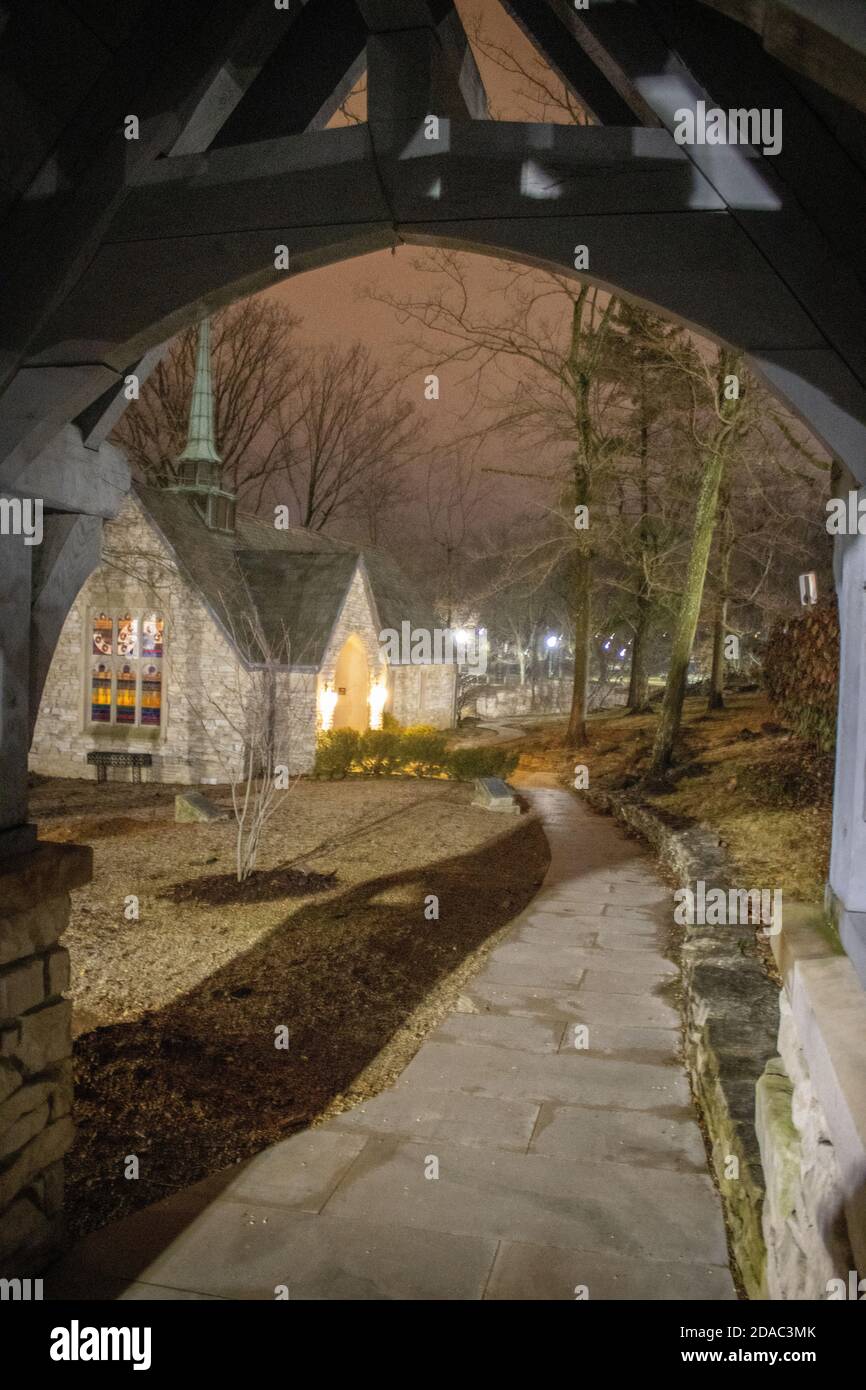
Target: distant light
(463,635)
(552,641)
(622,653)
(606,645)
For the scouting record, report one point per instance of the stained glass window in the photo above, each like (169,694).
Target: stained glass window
(102,633)
(124,711)
(151,635)
(151,694)
(127,636)
(126,679)
(100,693)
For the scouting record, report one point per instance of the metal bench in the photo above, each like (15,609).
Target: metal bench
(104,758)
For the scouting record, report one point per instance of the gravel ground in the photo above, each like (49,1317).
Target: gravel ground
(175,1013)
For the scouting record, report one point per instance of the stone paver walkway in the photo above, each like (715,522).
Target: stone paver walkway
(558,1166)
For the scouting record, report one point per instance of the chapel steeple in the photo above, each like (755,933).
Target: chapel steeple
(200,465)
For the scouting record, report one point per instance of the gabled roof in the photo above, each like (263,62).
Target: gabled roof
(297,580)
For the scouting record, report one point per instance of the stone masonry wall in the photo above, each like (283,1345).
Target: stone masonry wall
(418,694)
(35,1051)
(358,617)
(205,685)
(804,1222)
(424,695)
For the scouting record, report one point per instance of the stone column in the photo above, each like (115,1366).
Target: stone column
(847,886)
(35,1049)
(15,572)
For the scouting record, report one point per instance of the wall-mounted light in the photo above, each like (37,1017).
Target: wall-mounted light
(376,700)
(327,704)
(808,589)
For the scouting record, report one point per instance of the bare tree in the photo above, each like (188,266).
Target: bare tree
(249,722)
(454,495)
(340,432)
(537,351)
(716,448)
(255,361)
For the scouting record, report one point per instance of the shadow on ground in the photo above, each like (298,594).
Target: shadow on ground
(200,1084)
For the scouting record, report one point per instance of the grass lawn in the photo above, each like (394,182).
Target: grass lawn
(766,793)
(175,1013)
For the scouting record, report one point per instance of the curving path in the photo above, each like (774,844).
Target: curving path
(561,1168)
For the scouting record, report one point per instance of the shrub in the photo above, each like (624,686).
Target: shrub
(468,763)
(336,751)
(421,751)
(380,752)
(424,751)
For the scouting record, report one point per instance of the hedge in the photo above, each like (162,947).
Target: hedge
(801,673)
(421,751)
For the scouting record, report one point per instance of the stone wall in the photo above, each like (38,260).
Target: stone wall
(195,741)
(423,695)
(811,1119)
(417,694)
(358,617)
(205,686)
(35,1050)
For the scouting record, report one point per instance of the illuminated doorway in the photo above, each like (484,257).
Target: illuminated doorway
(352,684)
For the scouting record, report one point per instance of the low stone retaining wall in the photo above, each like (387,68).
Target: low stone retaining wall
(35,1050)
(731,1017)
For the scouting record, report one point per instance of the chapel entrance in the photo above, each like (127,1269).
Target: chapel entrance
(352,684)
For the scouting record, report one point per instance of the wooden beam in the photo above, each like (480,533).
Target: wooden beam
(52,232)
(306,77)
(419,62)
(550,35)
(70,551)
(69,477)
(98,420)
(674,57)
(15,571)
(39,402)
(826,43)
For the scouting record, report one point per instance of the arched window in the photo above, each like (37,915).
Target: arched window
(126,677)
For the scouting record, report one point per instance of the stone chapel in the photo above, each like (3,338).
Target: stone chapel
(156,652)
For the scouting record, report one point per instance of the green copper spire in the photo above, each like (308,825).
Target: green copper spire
(201,436)
(199,472)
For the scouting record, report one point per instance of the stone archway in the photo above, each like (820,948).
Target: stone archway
(232,182)
(352,685)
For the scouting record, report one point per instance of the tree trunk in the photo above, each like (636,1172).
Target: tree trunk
(638,680)
(693,590)
(576,734)
(716,698)
(717,676)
